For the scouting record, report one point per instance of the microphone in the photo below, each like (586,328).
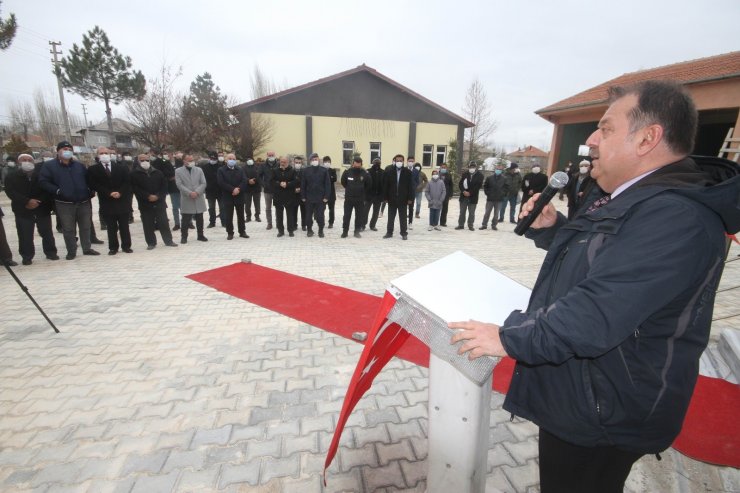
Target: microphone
(557,181)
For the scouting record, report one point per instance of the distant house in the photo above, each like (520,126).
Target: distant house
(97,136)
(529,156)
(357,111)
(714,83)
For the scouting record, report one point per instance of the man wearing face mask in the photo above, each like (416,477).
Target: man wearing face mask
(398,192)
(164,165)
(415,179)
(284,182)
(298,166)
(213,192)
(268,184)
(470,185)
(421,181)
(192,185)
(32,207)
(356,182)
(532,183)
(333,193)
(128,160)
(232,181)
(514,181)
(65,179)
(9,166)
(151,189)
(495,188)
(112,182)
(446,177)
(315,190)
(375,196)
(252,191)
(578,188)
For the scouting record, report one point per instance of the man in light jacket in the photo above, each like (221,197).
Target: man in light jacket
(191,182)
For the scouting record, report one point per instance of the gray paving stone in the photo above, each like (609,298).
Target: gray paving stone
(220,455)
(383,477)
(280,468)
(300,411)
(395,451)
(219,436)
(63,473)
(414,472)
(262,414)
(112,485)
(315,424)
(371,434)
(179,459)
(240,433)
(163,483)
(374,417)
(522,477)
(151,463)
(362,456)
(247,473)
(257,449)
(523,451)
(201,480)
(277,429)
(293,444)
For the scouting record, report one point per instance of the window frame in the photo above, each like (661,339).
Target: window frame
(437,154)
(424,155)
(376,154)
(346,162)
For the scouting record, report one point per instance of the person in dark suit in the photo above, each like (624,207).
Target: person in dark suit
(213,192)
(112,182)
(151,189)
(398,191)
(253,190)
(470,184)
(284,182)
(232,181)
(578,187)
(333,190)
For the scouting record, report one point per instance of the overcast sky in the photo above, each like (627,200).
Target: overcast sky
(527,54)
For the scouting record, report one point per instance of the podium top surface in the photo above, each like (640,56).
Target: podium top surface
(459,288)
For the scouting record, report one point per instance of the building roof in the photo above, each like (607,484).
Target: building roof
(359,69)
(529,151)
(708,69)
(119,125)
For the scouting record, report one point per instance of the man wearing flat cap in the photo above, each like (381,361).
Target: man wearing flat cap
(65,179)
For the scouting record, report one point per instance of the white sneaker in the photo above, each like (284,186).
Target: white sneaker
(437,228)
(410,226)
(430,228)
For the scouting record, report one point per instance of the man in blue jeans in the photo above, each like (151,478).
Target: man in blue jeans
(65,179)
(513,183)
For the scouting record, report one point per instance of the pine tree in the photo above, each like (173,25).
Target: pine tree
(7,31)
(16,145)
(97,70)
(208,112)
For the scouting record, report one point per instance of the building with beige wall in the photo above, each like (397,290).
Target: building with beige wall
(359,111)
(714,83)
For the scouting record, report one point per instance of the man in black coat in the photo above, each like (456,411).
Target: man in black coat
(446,177)
(315,191)
(533,182)
(151,188)
(356,182)
(112,182)
(375,196)
(232,181)
(213,192)
(496,188)
(32,207)
(266,170)
(333,193)
(398,190)
(284,183)
(162,163)
(253,190)
(578,187)
(470,184)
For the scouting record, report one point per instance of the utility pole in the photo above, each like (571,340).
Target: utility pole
(55,62)
(84,113)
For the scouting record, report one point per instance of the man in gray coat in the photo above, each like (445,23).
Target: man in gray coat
(191,182)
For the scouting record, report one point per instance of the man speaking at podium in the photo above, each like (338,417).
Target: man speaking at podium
(608,349)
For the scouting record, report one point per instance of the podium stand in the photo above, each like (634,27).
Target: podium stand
(459,389)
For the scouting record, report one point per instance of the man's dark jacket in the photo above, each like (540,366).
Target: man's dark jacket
(315,184)
(287,195)
(168,171)
(104,184)
(475,182)
(496,188)
(65,182)
(252,173)
(21,187)
(356,183)
(608,349)
(376,177)
(145,184)
(229,179)
(398,190)
(534,182)
(266,171)
(213,191)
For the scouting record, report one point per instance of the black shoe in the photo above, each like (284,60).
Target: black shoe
(344,234)
(258,219)
(493,227)
(248,220)
(90,252)
(310,233)
(70,256)
(321,234)
(512,222)
(303,228)
(243,235)
(202,238)
(443,225)
(404,237)
(131,221)
(127,250)
(176,228)
(211,226)
(152,247)
(387,235)
(192,227)
(112,252)
(459,227)
(331,225)
(12,263)
(173,244)
(280,234)
(103,227)
(96,241)
(53,257)
(471,228)
(230,237)
(183,241)
(269,227)
(373,229)
(291,234)
(357,234)
(483,227)
(27,261)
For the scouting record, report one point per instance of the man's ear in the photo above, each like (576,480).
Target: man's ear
(650,137)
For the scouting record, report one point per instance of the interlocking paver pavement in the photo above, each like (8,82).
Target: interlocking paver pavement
(158,383)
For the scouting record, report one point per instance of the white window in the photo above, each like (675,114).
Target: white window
(441,154)
(348,151)
(374,151)
(426,159)
(101,139)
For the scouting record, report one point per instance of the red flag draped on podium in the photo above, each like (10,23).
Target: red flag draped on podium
(383,342)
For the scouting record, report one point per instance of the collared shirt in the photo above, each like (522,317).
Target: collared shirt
(624,186)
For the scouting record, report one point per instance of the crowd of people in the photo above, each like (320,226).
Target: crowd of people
(232,192)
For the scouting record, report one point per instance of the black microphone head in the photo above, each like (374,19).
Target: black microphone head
(558,179)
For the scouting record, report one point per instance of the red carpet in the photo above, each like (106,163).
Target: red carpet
(711,431)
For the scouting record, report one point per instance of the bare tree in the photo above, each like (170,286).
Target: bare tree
(22,118)
(49,121)
(477,109)
(154,116)
(248,133)
(262,85)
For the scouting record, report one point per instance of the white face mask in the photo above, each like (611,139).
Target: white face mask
(535,170)
(166,157)
(47,159)
(220,159)
(327,165)
(67,155)
(399,164)
(410,165)
(190,164)
(27,165)
(471,170)
(145,165)
(231,163)
(128,158)
(584,170)
(11,164)
(212,161)
(104,158)
(298,165)
(435,177)
(315,162)
(250,162)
